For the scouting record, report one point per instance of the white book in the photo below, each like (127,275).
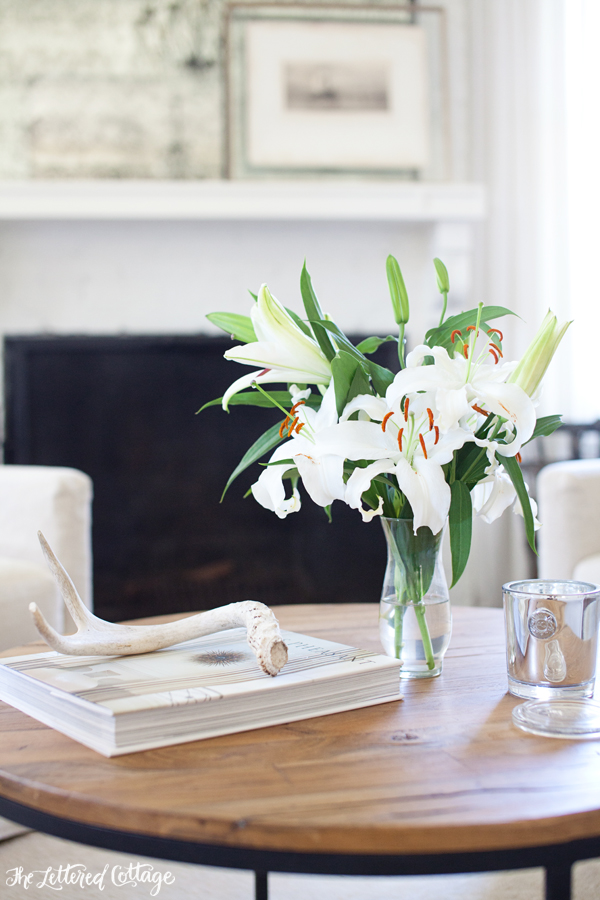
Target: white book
(198,689)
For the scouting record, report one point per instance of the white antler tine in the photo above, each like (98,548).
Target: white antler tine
(53,638)
(80,614)
(95,637)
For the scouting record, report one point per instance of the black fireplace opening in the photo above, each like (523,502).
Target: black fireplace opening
(123,410)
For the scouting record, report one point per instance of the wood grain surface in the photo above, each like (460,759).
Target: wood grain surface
(442,771)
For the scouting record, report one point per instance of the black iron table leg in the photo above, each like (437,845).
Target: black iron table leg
(558,881)
(261,886)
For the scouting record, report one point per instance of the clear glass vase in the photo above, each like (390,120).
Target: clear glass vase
(415,622)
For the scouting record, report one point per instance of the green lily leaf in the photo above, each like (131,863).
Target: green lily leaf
(360,384)
(545,426)
(381,479)
(471,463)
(343,368)
(279,462)
(371,344)
(314,314)
(516,476)
(256,398)
(265,442)
(441,335)
(300,323)
(240,327)
(460,520)
(340,338)
(381,377)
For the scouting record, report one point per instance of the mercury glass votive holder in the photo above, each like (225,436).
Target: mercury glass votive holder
(551,638)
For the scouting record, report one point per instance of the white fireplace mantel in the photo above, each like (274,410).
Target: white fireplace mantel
(325,200)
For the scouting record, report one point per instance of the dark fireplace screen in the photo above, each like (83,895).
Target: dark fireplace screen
(123,409)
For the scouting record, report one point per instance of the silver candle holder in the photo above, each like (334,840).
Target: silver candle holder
(551,638)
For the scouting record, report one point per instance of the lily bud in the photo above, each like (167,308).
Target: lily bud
(538,356)
(283,352)
(443,281)
(398,291)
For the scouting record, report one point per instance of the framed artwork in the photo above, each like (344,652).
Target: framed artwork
(335,90)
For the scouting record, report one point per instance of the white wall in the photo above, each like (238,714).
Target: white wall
(149,277)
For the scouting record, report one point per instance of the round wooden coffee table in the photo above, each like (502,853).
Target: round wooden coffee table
(440,782)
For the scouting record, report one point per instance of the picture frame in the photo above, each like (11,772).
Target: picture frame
(320,90)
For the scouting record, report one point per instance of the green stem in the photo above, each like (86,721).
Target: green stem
(445,296)
(401,345)
(420,612)
(399,612)
(269,397)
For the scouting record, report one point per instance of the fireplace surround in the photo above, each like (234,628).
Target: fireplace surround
(122,409)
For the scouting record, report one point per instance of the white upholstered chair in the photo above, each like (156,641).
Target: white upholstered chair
(569,508)
(56,501)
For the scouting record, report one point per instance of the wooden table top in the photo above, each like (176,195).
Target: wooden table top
(442,771)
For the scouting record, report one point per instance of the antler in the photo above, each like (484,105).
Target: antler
(95,637)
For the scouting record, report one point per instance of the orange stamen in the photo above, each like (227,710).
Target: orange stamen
(400,440)
(453,335)
(437,435)
(497,348)
(466,351)
(299,427)
(496,331)
(478,409)
(430,414)
(423,445)
(472,328)
(385,419)
(295,407)
(518,458)
(494,354)
(406,404)
(283,426)
(292,426)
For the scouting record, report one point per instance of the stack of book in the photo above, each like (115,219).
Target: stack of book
(199,689)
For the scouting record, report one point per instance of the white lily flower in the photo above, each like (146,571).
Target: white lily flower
(283,352)
(492,496)
(321,473)
(462,387)
(406,444)
(495,493)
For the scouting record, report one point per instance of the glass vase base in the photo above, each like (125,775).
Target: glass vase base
(408,672)
(530,691)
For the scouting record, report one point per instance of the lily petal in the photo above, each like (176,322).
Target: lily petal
(270,492)
(357,440)
(425,487)
(492,496)
(512,403)
(360,481)
(375,407)
(322,476)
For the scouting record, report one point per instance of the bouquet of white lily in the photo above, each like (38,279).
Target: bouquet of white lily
(427,445)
